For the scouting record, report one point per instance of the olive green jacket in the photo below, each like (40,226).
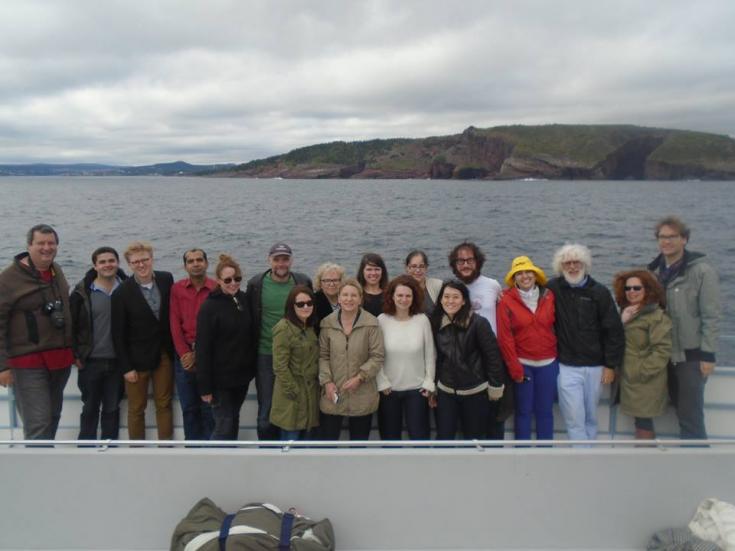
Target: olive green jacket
(643,385)
(342,357)
(296,367)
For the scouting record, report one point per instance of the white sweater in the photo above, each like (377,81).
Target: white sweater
(410,359)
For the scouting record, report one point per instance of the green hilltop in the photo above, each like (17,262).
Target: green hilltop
(553,151)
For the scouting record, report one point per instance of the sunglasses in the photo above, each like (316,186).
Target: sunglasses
(304,304)
(633,287)
(228,280)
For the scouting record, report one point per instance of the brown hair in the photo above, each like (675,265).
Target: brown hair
(372,259)
(673,222)
(226,261)
(655,293)
(389,306)
(290,312)
(476,252)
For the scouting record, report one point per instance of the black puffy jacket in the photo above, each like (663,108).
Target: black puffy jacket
(467,357)
(588,327)
(225,350)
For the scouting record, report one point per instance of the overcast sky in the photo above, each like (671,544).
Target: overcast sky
(139,82)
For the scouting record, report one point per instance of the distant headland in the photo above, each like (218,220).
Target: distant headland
(552,152)
(556,151)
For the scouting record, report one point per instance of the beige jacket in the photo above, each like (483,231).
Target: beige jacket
(342,357)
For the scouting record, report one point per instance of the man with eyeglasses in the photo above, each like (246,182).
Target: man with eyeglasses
(187,296)
(693,304)
(142,337)
(267,293)
(35,333)
(466,261)
(589,336)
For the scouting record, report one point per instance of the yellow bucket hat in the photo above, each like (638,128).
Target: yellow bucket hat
(522,264)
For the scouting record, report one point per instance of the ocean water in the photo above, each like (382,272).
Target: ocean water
(338,220)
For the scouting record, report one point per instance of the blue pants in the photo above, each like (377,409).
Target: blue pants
(293,434)
(226,405)
(198,420)
(535,398)
(101,384)
(686,388)
(39,395)
(396,405)
(579,395)
(264,379)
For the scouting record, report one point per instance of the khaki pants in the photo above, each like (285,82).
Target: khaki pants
(163,387)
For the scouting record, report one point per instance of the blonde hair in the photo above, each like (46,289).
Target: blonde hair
(324,268)
(351,282)
(138,247)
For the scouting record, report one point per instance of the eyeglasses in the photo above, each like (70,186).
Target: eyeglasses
(229,280)
(140,261)
(330,281)
(462,261)
(667,237)
(417,267)
(633,288)
(304,304)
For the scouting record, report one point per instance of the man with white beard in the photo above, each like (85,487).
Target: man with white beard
(590,339)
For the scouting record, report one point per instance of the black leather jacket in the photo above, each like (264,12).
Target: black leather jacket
(467,357)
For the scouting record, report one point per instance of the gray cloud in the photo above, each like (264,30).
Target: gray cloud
(227,81)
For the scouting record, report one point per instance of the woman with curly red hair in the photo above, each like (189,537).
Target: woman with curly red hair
(643,384)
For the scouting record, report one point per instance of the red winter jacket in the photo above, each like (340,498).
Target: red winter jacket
(525,334)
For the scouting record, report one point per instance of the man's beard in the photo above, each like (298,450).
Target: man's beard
(575,280)
(468,279)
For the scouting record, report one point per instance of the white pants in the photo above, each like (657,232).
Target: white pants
(579,394)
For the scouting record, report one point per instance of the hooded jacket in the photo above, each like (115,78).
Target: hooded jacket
(693,304)
(588,327)
(81,314)
(342,357)
(525,334)
(225,350)
(296,367)
(643,389)
(24,327)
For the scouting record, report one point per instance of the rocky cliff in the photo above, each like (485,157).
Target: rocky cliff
(609,152)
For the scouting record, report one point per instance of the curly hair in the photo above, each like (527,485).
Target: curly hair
(571,251)
(476,252)
(655,293)
(389,306)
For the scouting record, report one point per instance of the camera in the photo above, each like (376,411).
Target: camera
(55,310)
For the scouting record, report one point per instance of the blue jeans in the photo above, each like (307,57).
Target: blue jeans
(198,420)
(535,398)
(293,434)
(396,405)
(264,379)
(226,404)
(579,395)
(686,388)
(101,385)
(39,395)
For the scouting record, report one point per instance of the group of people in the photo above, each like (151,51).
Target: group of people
(336,350)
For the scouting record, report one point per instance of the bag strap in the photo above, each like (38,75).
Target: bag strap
(224,531)
(286,524)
